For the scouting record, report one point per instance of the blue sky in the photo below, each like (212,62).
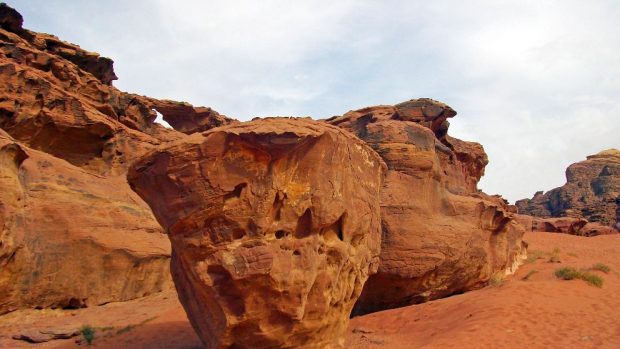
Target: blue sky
(536,82)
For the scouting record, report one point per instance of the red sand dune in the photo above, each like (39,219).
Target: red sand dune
(541,312)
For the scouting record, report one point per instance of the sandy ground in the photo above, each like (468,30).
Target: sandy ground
(538,312)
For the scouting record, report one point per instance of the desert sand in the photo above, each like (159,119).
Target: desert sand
(538,312)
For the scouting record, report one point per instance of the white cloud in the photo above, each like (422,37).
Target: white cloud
(536,82)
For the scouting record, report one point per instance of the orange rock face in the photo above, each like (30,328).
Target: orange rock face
(275,228)
(52,104)
(591,192)
(440,235)
(68,239)
(72,233)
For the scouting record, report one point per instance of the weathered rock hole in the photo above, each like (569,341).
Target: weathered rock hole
(217,273)
(75,303)
(238,234)
(335,230)
(296,253)
(549,227)
(278,202)
(304,225)
(499,221)
(236,193)
(280,234)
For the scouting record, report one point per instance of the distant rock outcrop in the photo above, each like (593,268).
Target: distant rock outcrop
(274,226)
(566,225)
(591,192)
(440,235)
(72,233)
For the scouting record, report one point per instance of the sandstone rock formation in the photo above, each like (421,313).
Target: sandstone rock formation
(72,233)
(275,228)
(275,223)
(68,240)
(440,236)
(592,192)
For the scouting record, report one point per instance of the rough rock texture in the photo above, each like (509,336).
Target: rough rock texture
(72,233)
(53,104)
(566,225)
(592,192)
(426,112)
(67,240)
(275,228)
(440,235)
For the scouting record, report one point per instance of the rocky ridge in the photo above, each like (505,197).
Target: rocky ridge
(591,192)
(72,233)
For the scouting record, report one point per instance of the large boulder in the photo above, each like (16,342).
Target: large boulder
(440,235)
(274,226)
(591,192)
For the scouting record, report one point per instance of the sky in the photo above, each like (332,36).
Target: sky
(537,83)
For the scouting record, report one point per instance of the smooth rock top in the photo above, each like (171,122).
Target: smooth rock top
(609,155)
(275,228)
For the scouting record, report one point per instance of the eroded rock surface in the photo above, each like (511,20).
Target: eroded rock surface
(275,228)
(72,232)
(188,119)
(440,235)
(70,238)
(591,192)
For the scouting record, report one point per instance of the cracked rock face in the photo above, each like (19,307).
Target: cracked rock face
(274,225)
